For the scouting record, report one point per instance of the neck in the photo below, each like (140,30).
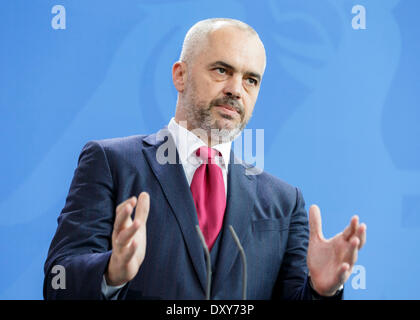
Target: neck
(204,135)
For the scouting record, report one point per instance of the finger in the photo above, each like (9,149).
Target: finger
(351,228)
(143,207)
(131,200)
(344,272)
(130,252)
(361,234)
(315,222)
(123,219)
(126,235)
(353,250)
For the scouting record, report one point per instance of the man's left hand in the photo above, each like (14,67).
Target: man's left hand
(330,261)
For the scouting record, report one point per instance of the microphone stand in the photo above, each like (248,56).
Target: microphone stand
(208,261)
(244,265)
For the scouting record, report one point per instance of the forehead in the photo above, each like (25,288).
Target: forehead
(237,47)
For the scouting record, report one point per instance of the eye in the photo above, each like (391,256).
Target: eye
(252,81)
(221,70)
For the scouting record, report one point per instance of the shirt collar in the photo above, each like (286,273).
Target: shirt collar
(187,142)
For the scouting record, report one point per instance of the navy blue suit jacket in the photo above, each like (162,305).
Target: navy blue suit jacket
(267,214)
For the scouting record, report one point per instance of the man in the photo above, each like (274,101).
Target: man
(109,251)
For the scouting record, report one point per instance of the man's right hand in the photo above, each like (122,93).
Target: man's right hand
(128,240)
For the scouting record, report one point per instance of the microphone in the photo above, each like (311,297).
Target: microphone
(208,261)
(244,265)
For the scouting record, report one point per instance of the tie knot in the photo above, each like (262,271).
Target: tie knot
(207,154)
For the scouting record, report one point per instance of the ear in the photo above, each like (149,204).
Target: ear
(179,75)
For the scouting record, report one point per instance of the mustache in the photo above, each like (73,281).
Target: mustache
(228,101)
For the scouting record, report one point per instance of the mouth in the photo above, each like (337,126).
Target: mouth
(227,109)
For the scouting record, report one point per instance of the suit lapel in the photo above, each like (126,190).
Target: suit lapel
(175,187)
(240,203)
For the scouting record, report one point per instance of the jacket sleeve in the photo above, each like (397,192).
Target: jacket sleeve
(81,246)
(293,279)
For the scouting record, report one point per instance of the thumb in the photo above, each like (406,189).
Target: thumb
(142,209)
(315,222)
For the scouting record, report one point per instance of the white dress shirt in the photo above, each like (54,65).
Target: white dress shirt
(186,144)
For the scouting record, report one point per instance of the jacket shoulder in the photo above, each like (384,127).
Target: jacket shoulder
(266,181)
(121,143)
(115,149)
(273,190)
(274,183)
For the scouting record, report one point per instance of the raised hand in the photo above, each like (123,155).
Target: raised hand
(128,240)
(330,261)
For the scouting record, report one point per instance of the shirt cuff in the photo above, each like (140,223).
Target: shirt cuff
(110,292)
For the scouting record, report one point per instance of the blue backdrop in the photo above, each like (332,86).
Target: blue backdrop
(339,107)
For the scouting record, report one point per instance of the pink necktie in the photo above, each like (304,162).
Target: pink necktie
(208,191)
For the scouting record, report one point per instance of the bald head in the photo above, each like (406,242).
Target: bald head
(197,36)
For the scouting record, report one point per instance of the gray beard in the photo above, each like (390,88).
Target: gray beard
(199,117)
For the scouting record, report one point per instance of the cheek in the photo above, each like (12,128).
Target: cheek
(249,105)
(205,90)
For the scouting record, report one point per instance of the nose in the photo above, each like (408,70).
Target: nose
(233,87)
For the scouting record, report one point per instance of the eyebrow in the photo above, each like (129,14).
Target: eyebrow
(228,66)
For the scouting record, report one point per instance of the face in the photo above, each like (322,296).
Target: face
(223,81)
